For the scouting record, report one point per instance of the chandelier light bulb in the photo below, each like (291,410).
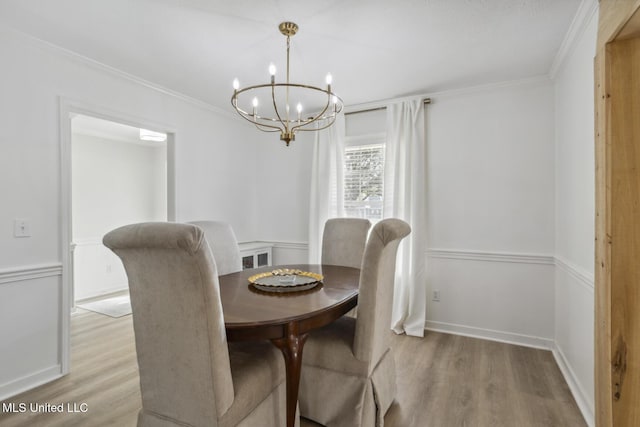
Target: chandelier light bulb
(299,108)
(329,78)
(236,84)
(334,99)
(254,102)
(272,69)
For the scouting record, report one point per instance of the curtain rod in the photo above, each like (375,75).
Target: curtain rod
(426,101)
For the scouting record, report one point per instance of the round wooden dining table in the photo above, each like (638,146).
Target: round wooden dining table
(285,318)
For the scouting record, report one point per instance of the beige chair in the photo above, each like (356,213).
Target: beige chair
(348,373)
(343,241)
(224,245)
(189,376)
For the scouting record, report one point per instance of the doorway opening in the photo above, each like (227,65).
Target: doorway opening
(100,185)
(119,176)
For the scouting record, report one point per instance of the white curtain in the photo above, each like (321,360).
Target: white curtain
(326,183)
(405,198)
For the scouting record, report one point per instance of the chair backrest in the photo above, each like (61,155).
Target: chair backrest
(343,241)
(224,245)
(377,276)
(178,322)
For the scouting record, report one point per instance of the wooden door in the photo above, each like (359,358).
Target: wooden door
(617,328)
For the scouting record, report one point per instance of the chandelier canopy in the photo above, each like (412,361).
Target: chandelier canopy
(276,115)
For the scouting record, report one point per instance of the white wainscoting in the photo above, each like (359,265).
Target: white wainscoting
(290,253)
(30,327)
(574,333)
(499,296)
(470,282)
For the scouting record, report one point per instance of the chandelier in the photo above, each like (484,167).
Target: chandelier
(276,115)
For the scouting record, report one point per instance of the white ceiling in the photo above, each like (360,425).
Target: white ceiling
(375,49)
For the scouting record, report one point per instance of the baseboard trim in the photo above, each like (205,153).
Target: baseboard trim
(576,390)
(30,381)
(103,294)
(528,341)
(30,272)
(490,334)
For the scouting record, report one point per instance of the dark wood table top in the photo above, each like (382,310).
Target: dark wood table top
(253,314)
(286,318)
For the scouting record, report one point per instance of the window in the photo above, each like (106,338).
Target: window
(364,181)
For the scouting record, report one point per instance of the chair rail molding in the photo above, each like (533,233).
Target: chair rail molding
(29,272)
(472,255)
(302,246)
(583,277)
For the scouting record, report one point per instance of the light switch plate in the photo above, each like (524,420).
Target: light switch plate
(21,228)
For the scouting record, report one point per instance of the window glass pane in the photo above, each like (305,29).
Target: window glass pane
(364,181)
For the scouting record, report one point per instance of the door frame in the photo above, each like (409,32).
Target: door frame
(67,110)
(617,271)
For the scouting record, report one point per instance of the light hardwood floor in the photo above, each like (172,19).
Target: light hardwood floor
(443,380)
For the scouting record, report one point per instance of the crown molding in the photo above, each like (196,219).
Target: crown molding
(581,20)
(107,69)
(528,81)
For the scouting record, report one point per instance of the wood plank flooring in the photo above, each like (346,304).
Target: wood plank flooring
(443,381)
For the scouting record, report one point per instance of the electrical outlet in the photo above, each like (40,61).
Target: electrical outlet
(436,295)
(21,228)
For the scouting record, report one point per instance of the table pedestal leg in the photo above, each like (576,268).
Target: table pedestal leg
(291,348)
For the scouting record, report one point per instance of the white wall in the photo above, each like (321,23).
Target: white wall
(114,183)
(505,194)
(282,182)
(490,212)
(490,208)
(574,241)
(209,184)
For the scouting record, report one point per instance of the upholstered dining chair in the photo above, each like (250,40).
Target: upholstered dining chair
(224,245)
(348,373)
(343,241)
(189,375)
